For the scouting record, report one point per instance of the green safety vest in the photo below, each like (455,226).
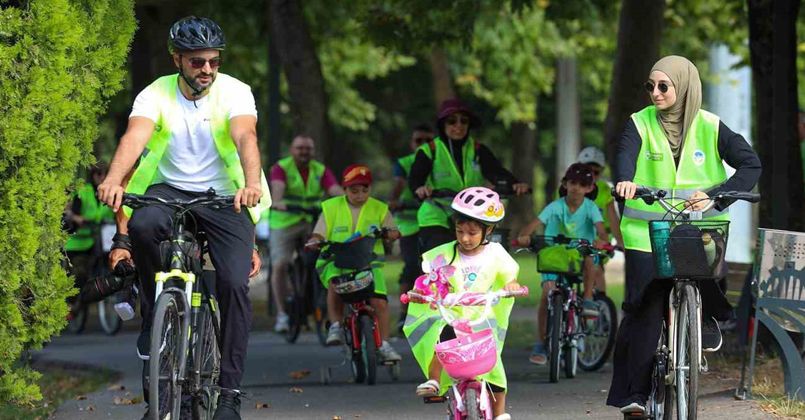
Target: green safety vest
(93,212)
(445,175)
(603,199)
(423,325)
(297,192)
(699,169)
(406,220)
(338,218)
(169,106)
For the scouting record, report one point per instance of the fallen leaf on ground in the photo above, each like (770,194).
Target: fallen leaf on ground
(90,407)
(299,374)
(295,390)
(336,417)
(262,405)
(81,397)
(123,401)
(116,387)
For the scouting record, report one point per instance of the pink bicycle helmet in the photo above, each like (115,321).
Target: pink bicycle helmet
(479,203)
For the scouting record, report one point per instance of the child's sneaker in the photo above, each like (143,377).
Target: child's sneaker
(538,355)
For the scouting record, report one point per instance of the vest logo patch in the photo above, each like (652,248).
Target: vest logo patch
(340,229)
(698,157)
(655,156)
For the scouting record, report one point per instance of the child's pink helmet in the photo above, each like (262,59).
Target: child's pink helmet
(479,203)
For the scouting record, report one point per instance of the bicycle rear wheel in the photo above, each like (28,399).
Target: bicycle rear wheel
(367,325)
(110,322)
(687,354)
(554,334)
(207,362)
(165,393)
(599,336)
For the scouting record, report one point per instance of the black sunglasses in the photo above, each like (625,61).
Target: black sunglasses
(662,86)
(422,140)
(198,62)
(452,120)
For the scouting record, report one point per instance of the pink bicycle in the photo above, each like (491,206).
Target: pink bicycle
(469,355)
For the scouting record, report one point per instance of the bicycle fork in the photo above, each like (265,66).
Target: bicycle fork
(676,301)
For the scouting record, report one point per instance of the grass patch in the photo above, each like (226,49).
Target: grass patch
(58,384)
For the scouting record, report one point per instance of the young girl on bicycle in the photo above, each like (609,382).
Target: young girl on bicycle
(574,216)
(343,218)
(478,266)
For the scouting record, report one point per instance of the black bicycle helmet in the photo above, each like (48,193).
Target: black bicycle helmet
(195,33)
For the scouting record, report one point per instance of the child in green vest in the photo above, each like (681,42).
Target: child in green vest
(574,216)
(344,218)
(471,263)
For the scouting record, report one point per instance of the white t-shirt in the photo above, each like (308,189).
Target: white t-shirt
(191,162)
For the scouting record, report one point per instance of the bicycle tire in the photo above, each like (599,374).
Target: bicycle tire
(77,319)
(110,321)
(320,310)
(165,330)
(554,334)
(207,362)
(571,352)
(472,404)
(357,362)
(599,343)
(367,325)
(687,348)
(296,305)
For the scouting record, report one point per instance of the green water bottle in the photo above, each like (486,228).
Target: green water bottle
(661,233)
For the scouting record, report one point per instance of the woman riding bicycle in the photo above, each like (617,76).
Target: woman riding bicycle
(477,265)
(676,146)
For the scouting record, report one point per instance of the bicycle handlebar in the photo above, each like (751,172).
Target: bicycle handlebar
(463,298)
(136,201)
(650,196)
(583,245)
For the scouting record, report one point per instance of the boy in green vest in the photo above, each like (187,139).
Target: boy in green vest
(344,218)
(574,216)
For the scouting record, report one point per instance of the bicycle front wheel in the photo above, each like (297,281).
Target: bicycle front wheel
(367,325)
(110,322)
(570,353)
(296,302)
(206,362)
(165,393)
(554,334)
(687,354)
(471,404)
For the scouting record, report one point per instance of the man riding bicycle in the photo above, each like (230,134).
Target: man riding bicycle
(301,181)
(193,131)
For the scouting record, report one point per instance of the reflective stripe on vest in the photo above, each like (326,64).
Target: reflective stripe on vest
(338,218)
(700,169)
(166,88)
(445,175)
(406,219)
(298,193)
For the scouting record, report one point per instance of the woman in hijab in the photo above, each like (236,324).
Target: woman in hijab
(672,145)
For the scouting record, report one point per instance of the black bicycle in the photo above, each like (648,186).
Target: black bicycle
(686,250)
(185,350)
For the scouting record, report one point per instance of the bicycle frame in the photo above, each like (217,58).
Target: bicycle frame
(351,322)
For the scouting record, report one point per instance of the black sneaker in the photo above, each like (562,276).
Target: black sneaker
(711,334)
(228,405)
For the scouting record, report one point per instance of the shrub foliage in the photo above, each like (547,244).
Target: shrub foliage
(60,61)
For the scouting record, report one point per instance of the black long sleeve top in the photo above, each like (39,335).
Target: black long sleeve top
(491,168)
(732,148)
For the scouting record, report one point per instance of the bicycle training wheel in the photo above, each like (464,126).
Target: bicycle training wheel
(599,335)
(554,334)
(687,355)
(165,393)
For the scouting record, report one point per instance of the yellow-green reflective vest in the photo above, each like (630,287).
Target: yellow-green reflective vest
(338,218)
(603,199)
(445,175)
(423,325)
(700,168)
(406,219)
(169,106)
(93,212)
(298,193)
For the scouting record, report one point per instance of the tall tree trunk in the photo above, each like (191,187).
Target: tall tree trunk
(307,97)
(442,81)
(524,138)
(568,115)
(639,35)
(273,127)
(772,45)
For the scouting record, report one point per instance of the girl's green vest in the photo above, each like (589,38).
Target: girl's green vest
(406,220)
(169,106)
(700,169)
(298,193)
(445,175)
(423,325)
(338,218)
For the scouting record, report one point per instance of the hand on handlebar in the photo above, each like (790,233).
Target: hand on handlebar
(248,197)
(698,201)
(314,243)
(111,194)
(512,286)
(626,189)
(423,192)
(524,240)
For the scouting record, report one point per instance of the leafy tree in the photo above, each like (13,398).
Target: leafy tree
(61,60)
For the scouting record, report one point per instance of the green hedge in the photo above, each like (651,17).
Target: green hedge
(60,61)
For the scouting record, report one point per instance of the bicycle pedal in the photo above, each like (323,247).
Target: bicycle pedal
(705,367)
(434,400)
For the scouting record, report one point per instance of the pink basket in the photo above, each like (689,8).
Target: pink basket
(468,356)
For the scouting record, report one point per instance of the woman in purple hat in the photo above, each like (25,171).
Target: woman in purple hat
(452,161)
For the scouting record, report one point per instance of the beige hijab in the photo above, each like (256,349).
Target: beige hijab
(677,119)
